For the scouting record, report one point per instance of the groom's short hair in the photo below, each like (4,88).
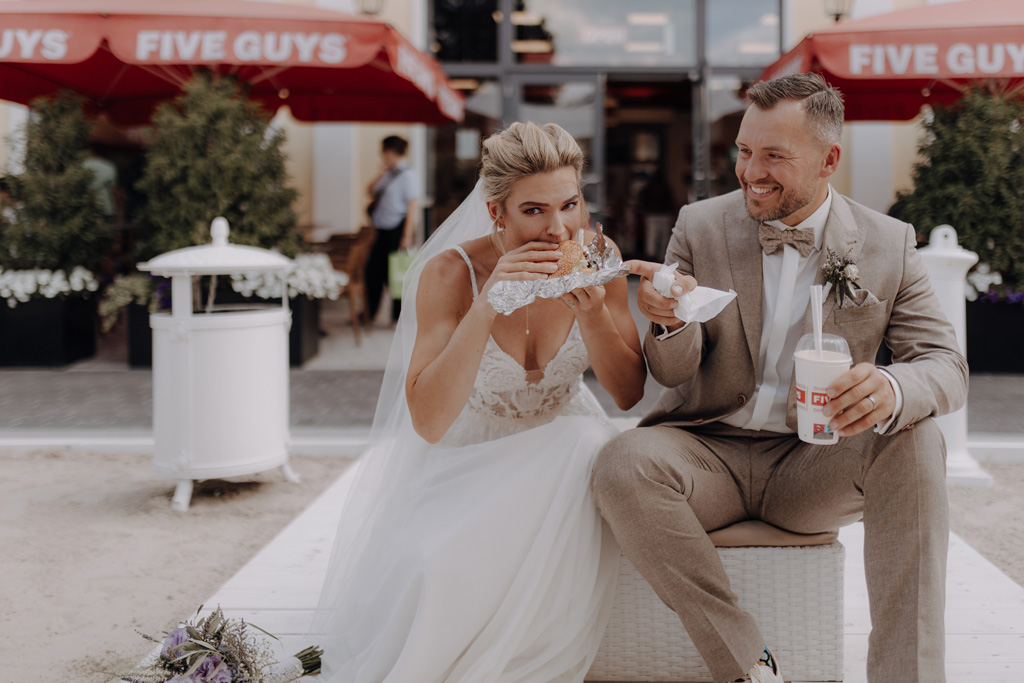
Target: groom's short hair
(822,102)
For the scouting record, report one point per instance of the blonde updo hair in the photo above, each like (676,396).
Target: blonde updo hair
(526,149)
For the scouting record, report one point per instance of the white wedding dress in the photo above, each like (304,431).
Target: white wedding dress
(504,571)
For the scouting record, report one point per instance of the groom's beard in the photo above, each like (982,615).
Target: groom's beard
(790,201)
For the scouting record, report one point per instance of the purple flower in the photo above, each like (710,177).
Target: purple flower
(205,672)
(162,290)
(1014,297)
(173,642)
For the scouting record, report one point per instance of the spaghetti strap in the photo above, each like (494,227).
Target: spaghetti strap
(472,271)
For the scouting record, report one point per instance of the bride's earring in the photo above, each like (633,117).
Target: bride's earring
(497,238)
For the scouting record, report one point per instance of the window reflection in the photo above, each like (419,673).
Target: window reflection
(743,32)
(571,105)
(605,32)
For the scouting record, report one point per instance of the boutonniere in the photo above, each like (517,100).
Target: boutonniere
(841,274)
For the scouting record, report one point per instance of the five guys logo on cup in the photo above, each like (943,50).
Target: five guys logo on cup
(815,370)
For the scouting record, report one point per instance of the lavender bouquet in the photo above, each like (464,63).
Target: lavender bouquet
(216,649)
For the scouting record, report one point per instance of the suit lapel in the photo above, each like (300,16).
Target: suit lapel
(747,272)
(844,237)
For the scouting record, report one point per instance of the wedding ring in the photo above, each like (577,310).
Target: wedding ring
(874,403)
(572,304)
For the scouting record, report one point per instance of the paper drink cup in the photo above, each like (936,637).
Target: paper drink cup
(814,373)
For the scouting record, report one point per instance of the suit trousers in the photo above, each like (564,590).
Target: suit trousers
(662,488)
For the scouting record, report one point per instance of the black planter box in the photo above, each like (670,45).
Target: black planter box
(994,334)
(48,332)
(140,337)
(303,338)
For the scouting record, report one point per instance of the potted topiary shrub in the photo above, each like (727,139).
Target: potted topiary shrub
(213,153)
(970,177)
(53,238)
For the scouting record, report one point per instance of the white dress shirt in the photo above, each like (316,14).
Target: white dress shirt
(788,278)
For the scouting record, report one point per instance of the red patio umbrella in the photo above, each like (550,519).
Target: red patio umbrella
(127,56)
(889,65)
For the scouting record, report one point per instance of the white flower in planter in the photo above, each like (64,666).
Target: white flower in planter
(980,280)
(18,286)
(312,276)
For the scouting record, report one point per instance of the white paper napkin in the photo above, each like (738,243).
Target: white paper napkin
(698,305)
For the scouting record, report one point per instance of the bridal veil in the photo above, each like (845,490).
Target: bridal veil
(382,497)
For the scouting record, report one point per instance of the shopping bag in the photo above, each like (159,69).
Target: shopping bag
(398,265)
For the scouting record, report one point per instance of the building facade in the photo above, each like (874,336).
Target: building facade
(650,88)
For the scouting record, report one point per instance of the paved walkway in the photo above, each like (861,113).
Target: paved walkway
(123,400)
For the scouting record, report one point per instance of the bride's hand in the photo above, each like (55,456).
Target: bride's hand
(585,300)
(532,261)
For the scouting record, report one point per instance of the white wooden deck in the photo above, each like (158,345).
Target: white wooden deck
(279,587)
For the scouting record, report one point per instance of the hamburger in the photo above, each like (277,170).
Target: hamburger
(574,259)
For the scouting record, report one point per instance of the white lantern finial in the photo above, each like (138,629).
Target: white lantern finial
(219,230)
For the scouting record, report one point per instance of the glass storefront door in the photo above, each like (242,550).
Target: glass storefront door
(576,104)
(651,89)
(648,152)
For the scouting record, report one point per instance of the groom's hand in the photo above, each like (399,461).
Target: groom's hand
(849,405)
(655,307)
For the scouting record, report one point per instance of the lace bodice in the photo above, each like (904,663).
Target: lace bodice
(507,399)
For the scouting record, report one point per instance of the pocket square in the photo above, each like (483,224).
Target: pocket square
(861,297)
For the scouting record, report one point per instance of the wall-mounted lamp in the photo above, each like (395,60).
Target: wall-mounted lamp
(838,9)
(371,7)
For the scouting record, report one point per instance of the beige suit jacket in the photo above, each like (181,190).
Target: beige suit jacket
(710,369)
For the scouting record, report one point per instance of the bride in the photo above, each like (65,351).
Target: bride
(469,548)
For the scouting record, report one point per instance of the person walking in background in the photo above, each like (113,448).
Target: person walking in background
(394,197)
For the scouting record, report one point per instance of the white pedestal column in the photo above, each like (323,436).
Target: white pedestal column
(947,265)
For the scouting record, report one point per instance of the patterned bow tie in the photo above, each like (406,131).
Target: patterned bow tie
(772,238)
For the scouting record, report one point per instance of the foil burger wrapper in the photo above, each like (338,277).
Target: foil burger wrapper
(508,295)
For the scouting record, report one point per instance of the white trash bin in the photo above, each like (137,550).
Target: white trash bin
(220,378)
(947,264)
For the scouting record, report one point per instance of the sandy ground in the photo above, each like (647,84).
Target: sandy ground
(93,552)
(991,520)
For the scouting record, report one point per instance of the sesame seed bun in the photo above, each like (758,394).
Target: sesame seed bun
(572,254)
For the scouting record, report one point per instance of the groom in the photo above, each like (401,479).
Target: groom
(720,445)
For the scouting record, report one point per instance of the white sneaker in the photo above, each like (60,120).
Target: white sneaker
(765,670)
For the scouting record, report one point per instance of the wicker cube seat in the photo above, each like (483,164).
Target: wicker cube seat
(794,592)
